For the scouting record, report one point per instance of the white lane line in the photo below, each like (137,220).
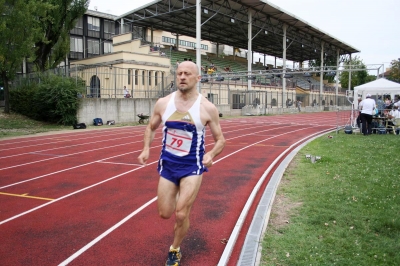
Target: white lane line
(63,147)
(46,154)
(67,169)
(74,167)
(76,154)
(130,164)
(239,223)
(71,194)
(18,165)
(58,137)
(103,235)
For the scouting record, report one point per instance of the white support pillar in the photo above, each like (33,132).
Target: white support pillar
(198,40)
(321,78)
(177,41)
(337,75)
(349,87)
(284,67)
(122,26)
(249,48)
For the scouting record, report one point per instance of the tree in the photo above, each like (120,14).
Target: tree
(358,75)
(19,29)
(394,74)
(56,24)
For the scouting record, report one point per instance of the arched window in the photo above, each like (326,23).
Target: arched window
(94,87)
(273,102)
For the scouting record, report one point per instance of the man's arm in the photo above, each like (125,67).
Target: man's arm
(216,132)
(149,133)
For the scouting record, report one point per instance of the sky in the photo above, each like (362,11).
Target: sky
(370,26)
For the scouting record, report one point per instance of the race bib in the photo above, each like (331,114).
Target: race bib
(178,142)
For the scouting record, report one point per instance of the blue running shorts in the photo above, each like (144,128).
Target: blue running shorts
(174,172)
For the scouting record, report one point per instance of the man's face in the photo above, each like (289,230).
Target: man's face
(187,76)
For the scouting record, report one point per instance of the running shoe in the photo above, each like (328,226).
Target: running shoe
(174,258)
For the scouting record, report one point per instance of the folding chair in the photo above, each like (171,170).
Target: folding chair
(394,127)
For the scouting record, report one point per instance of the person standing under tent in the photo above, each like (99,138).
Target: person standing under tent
(184,114)
(367,106)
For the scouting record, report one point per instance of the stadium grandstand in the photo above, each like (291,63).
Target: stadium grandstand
(225,37)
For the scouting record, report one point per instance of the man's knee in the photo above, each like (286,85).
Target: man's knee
(165,214)
(181,216)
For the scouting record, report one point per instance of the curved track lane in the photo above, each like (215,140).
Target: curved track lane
(80,198)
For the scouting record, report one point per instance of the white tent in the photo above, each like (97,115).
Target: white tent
(380,86)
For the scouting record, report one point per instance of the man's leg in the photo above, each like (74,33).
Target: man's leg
(369,122)
(167,193)
(189,187)
(364,124)
(169,201)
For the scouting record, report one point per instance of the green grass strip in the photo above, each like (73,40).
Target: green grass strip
(342,210)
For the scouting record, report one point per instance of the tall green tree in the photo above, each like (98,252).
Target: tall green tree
(56,24)
(19,29)
(359,74)
(394,74)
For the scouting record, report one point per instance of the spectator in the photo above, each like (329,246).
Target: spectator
(162,53)
(380,105)
(395,113)
(299,105)
(388,103)
(126,93)
(227,69)
(367,106)
(210,71)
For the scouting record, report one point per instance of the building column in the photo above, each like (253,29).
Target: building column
(337,75)
(284,67)
(249,47)
(321,78)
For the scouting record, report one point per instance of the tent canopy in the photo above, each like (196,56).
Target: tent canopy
(377,87)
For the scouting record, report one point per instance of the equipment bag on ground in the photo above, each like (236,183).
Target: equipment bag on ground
(98,122)
(79,126)
(111,122)
(348,129)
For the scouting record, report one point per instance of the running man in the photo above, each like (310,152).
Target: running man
(184,115)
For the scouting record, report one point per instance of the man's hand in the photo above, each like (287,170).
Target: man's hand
(142,158)
(207,160)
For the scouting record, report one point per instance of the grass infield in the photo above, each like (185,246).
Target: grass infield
(342,210)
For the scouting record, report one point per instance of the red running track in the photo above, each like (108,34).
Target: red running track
(80,198)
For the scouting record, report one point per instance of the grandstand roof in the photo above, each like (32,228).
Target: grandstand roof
(179,17)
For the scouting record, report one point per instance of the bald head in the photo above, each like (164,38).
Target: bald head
(187,76)
(190,66)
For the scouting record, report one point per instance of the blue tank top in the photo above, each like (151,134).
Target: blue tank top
(183,134)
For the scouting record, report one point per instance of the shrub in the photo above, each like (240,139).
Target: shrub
(53,100)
